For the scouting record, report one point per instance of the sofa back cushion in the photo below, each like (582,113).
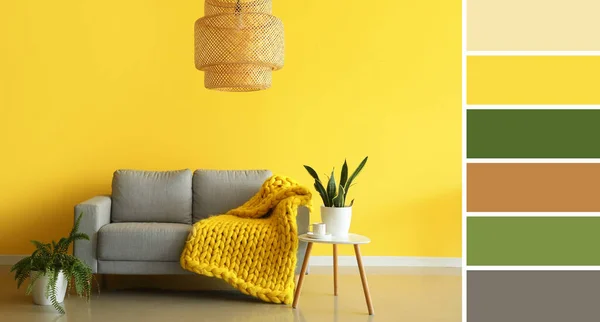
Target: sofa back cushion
(152,196)
(217,191)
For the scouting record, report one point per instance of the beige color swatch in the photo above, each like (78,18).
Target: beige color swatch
(522,25)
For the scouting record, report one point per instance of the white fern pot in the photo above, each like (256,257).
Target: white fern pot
(337,220)
(39,289)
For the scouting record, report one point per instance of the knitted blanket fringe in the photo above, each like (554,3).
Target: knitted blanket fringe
(252,247)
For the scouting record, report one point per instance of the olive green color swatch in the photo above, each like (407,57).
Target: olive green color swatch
(533,133)
(498,241)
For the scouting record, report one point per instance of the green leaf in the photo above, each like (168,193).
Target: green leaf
(79,236)
(355,173)
(312,172)
(41,246)
(76,224)
(351,203)
(63,245)
(20,278)
(321,190)
(25,261)
(331,187)
(51,291)
(339,200)
(344,175)
(33,278)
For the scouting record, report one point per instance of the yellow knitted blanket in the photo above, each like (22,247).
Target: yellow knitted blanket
(252,247)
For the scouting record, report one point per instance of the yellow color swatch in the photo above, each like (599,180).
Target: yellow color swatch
(533,80)
(533,25)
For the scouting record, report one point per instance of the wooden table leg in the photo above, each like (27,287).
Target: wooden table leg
(363,277)
(302,274)
(335,270)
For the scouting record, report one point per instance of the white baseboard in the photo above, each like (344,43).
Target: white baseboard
(10,259)
(393,261)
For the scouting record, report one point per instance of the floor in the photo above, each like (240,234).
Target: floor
(398,294)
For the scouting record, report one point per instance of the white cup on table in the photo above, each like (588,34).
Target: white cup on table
(319,229)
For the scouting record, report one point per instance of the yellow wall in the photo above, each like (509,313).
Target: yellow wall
(87,87)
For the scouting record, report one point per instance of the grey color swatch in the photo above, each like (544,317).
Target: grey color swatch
(533,296)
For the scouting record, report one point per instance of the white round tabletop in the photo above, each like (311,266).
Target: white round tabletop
(351,239)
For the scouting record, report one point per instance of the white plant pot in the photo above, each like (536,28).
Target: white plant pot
(39,289)
(337,220)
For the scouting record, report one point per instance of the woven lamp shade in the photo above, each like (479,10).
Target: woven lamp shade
(238,44)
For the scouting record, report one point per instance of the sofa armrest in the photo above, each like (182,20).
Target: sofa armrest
(302,221)
(96,213)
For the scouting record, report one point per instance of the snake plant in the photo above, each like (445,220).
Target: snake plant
(334,195)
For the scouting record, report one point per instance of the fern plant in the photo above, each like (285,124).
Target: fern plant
(49,259)
(334,195)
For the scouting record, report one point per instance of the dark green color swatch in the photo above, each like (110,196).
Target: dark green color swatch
(533,241)
(533,133)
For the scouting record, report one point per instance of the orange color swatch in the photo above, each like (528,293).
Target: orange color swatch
(543,187)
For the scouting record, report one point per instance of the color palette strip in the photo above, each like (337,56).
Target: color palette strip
(531,241)
(532,296)
(532,163)
(538,187)
(533,25)
(533,80)
(533,133)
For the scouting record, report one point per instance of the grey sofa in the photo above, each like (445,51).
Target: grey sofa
(142,227)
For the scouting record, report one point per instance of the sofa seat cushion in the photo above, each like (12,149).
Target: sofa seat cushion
(161,242)
(217,191)
(152,196)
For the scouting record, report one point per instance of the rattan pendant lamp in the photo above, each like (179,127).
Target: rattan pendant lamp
(238,43)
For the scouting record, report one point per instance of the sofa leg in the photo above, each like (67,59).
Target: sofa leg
(99,282)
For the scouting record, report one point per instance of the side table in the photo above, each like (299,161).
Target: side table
(353,239)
